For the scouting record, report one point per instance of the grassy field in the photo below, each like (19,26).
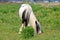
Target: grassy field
(10,22)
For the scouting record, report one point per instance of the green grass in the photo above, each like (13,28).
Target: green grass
(48,17)
(27,32)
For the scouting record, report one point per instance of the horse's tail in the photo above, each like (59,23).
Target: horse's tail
(25,17)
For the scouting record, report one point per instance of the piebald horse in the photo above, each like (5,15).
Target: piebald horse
(28,19)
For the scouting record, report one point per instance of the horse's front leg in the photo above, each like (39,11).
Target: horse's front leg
(20,29)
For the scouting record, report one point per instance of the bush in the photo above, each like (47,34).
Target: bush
(27,32)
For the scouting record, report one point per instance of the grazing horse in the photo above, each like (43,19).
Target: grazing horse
(28,19)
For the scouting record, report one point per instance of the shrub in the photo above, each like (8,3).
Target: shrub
(27,32)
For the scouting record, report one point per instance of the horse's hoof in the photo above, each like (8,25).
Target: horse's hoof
(19,32)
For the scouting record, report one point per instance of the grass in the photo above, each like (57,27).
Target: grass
(48,17)
(27,32)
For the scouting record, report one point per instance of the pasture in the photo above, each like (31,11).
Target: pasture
(10,21)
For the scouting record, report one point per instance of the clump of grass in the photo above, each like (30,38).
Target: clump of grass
(27,32)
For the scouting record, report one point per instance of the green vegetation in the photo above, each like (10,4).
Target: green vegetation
(27,32)
(48,17)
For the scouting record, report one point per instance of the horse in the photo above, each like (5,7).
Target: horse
(29,19)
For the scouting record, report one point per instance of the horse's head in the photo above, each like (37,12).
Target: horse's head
(38,27)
